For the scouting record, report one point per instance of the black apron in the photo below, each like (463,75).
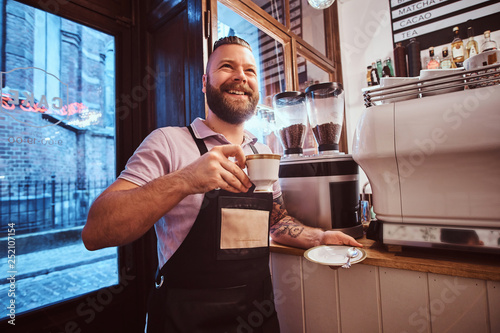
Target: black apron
(218,280)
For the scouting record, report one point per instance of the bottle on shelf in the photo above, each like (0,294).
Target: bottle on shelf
(446,60)
(386,72)
(380,68)
(414,62)
(374,75)
(457,48)
(433,62)
(369,76)
(388,63)
(400,60)
(471,48)
(488,44)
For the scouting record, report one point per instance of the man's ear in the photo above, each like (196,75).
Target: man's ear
(204,78)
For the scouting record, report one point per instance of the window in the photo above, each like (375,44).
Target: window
(268,53)
(293,49)
(57,153)
(274,7)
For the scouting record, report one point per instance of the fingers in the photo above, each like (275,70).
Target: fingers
(233,171)
(234,176)
(338,237)
(234,151)
(351,241)
(217,171)
(348,240)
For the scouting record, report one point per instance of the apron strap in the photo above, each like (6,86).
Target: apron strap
(203,148)
(199,142)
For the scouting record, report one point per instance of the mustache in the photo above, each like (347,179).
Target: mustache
(236,86)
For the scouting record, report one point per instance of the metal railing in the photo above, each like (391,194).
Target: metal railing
(41,205)
(466,79)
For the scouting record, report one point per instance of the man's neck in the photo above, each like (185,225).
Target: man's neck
(233,133)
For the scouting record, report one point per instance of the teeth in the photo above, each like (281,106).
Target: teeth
(235,92)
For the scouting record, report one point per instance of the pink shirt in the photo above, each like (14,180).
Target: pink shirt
(166,150)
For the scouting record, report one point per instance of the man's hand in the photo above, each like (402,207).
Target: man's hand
(338,238)
(215,170)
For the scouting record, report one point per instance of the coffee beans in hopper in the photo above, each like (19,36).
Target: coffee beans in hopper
(291,136)
(328,133)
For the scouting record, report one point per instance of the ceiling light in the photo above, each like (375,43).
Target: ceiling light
(320,4)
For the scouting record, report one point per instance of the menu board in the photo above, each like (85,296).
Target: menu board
(431,22)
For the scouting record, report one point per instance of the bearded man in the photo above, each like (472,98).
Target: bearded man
(189,183)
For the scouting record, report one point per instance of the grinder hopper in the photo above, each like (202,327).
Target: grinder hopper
(325,107)
(291,121)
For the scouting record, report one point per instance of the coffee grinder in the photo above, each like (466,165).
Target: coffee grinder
(320,190)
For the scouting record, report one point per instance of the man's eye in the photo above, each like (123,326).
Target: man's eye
(226,66)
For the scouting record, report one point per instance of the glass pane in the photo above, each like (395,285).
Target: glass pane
(308,23)
(269,57)
(273,8)
(309,74)
(57,153)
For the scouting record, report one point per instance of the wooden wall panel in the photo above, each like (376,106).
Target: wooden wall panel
(287,283)
(457,304)
(119,9)
(175,52)
(169,61)
(359,297)
(320,283)
(404,295)
(493,288)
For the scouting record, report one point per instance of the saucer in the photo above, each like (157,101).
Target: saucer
(333,255)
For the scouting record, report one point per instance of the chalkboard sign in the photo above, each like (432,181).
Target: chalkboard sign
(431,22)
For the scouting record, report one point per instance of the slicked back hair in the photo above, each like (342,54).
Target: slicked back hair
(229,40)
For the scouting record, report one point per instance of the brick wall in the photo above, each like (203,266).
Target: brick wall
(29,149)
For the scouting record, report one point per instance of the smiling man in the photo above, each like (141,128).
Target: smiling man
(189,183)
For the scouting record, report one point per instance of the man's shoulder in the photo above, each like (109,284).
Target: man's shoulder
(169,132)
(165,138)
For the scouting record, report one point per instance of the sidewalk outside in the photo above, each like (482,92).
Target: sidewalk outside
(48,276)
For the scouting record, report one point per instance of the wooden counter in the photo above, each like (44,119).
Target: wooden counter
(454,263)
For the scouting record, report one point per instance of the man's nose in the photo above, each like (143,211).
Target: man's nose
(239,75)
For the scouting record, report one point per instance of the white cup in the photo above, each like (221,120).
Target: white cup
(263,170)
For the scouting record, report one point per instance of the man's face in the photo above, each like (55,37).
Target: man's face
(231,84)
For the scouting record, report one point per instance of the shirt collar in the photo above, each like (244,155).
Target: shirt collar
(202,131)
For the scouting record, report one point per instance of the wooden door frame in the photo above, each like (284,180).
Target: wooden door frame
(126,310)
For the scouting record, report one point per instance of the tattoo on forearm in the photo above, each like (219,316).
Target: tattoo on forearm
(287,226)
(282,223)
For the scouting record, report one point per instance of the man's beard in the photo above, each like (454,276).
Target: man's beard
(231,111)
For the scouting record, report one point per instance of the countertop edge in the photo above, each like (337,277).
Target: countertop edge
(453,263)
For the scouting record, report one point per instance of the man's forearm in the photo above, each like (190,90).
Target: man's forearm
(125,212)
(287,230)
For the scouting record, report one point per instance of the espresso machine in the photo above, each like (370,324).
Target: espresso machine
(321,189)
(433,158)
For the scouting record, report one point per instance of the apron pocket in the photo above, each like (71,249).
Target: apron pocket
(205,310)
(243,227)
